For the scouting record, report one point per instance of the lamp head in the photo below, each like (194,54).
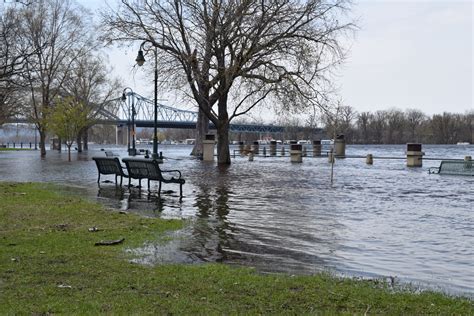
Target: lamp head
(140,58)
(124,97)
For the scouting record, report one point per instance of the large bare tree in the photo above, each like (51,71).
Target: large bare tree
(235,54)
(59,33)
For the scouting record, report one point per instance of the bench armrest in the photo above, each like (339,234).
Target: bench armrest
(163,171)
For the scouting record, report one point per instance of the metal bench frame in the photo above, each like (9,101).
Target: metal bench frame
(141,168)
(451,167)
(109,165)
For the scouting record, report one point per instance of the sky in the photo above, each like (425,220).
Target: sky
(405,55)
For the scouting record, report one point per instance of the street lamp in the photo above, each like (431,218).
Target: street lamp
(140,61)
(131,151)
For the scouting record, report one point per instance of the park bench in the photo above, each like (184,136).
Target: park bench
(453,167)
(109,165)
(142,168)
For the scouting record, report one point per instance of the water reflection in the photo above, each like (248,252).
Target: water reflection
(211,229)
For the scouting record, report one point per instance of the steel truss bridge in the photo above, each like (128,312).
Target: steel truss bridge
(141,110)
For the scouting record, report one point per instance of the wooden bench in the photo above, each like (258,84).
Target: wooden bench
(142,168)
(110,165)
(452,167)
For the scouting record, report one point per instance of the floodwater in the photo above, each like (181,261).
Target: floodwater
(380,220)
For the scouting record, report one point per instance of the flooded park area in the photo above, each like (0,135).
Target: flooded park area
(382,220)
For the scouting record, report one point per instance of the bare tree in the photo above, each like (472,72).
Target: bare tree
(235,54)
(415,119)
(13,53)
(90,84)
(58,32)
(395,120)
(363,121)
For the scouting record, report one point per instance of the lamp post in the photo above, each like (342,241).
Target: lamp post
(140,61)
(131,151)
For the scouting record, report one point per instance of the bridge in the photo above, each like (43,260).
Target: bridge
(119,112)
(137,110)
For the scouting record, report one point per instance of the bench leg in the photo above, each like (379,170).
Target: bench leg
(159,187)
(121,179)
(129,182)
(181,190)
(140,183)
(148,184)
(98,179)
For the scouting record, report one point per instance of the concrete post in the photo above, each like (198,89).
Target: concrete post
(283,150)
(369,159)
(414,155)
(255,148)
(340,146)
(316,148)
(208,147)
(296,153)
(273,148)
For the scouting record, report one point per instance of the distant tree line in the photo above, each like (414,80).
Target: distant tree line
(398,127)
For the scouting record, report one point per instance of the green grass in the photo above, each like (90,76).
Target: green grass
(49,265)
(14,149)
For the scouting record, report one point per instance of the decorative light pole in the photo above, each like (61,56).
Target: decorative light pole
(140,61)
(131,151)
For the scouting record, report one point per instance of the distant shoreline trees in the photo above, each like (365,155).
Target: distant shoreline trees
(398,127)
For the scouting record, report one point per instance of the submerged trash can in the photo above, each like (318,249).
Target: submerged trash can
(273,148)
(414,155)
(208,147)
(340,146)
(255,148)
(317,148)
(296,153)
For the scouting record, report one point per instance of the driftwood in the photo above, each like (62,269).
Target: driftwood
(109,242)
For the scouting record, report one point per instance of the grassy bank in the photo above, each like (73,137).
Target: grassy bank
(14,149)
(49,264)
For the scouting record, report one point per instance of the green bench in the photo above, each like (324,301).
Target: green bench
(142,168)
(109,165)
(454,167)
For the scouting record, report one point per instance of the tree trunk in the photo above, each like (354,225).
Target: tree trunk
(69,151)
(85,139)
(79,142)
(202,128)
(223,152)
(42,143)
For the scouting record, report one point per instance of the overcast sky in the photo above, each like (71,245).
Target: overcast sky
(406,54)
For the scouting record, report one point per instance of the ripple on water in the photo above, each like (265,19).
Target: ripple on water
(375,221)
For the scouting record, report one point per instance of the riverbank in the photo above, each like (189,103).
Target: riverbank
(49,264)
